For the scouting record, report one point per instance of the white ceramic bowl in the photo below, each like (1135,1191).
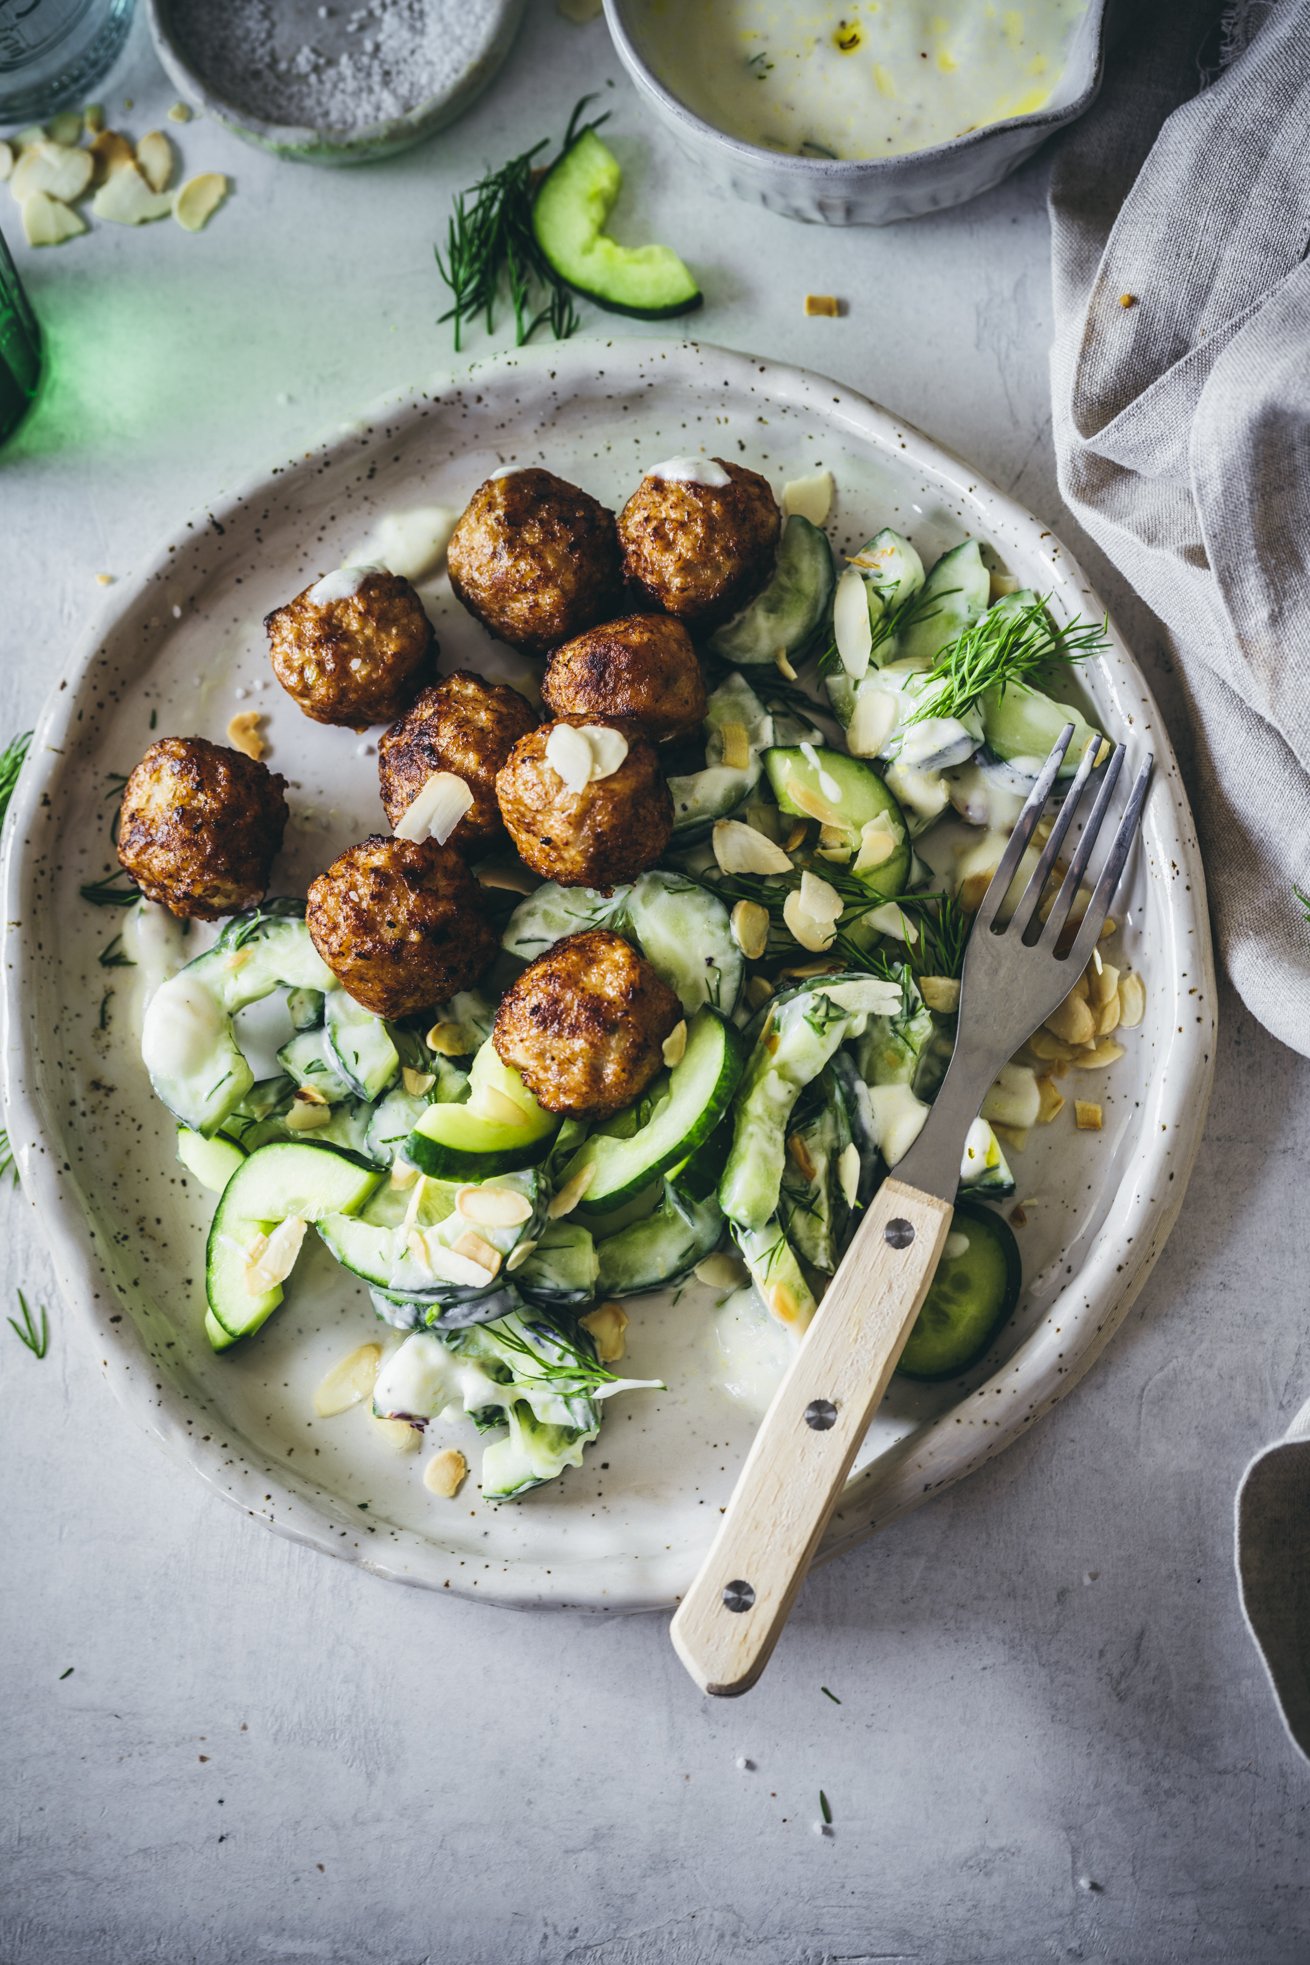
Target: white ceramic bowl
(96,1148)
(875,191)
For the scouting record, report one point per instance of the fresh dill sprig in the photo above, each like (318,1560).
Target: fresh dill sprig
(826,1807)
(491,249)
(11,763)
(107,893)
(770,891)
(1002,646)
(578,1370)
(922,605)
(943,938)
(1304,899)
(36,1336)
(114,956)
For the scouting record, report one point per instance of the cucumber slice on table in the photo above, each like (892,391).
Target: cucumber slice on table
(498,1128)
(845,794)
(576,197)
(785,618)
(975,1289)
(685,1111)
(953,596)
(284,1181)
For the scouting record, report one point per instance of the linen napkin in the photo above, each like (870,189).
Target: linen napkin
(1180,219)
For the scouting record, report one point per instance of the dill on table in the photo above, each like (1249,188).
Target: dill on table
(492,250)
(1001,647)
(36,1336)
(826,1807)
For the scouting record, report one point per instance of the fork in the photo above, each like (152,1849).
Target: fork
(1019,966)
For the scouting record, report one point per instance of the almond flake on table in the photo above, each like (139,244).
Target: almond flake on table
(58,169)
(243,734)
(47,222)
(126,199)
(195,203)
(154,155)
(826,306)
(607,1327)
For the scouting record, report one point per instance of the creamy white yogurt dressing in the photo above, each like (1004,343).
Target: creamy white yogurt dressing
(690,470)
(754,1350)
(184,1026)
(411,543)
(156,941)
(869,78)
(340,584)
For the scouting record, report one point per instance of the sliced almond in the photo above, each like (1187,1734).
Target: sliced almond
(816,806)
(783,666)
(1051,1050)
(493,1206)
(1132,1000)
(781,1303)
(749,923)
(446,1473)
(475,1248)
(758,991)
(198,199)
(721,1271)
(1002,583)
(1108,1018)
(509,880)
(271,1258)
(447,1040)
(60,170)
(1015,1137)
(571,1193)
(519,1254)
(307,1118)
(1082,988)
(179,113)
(448,1265)
(1073,1022)
(849,1169)
(109,151)
(1104,1052)
(66,127)
(349,1382)
(674,1047)
(403,1174)
(734,746)
(812,911)
(825,305)
(1103,980)
(940,993)
(436,808)
(1110,927)
(972,889)
(740,848)
(607,1325)
(798,972)
(569,756)
(877,844)
(809,497)
(398,1434)
(873,719)
(417,1083)
(154,154)
(851,626)
(48,223)
(126,199)
(311,1095)
(889,919)
(799,1153)
(794,836)
(243,734)
(1087,1115)
(1052,1101)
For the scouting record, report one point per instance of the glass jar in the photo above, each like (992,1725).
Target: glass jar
(53,51)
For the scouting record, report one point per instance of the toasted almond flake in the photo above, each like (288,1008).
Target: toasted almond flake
(608,1326)
(416,1083)
(519,1254)
(1051,1050)
(815,806)
(1082,988)
(569,756)
(799,1153)
(403,1174)
(1019,1215)
(571,1193)
(749,923)
(66,127)
(1015,1137)
(1132,1000)
(48,223)
(493,1206)
(740,848)
(674,1046)
(783,665)
(447,1265)
(436,808)
(609,750)
(475,1248)
(735,749)
(795,835)
(1087,1115)
(825,306)
(799,972)
(758,991)
(940,993)
(60,170)
(848,1172)
(126,199)
(809,497)
(179,113)
(1103,1052)
(808,917)
(348,1382)
(892,920)
(721,1271)
(6,161)
(781,1303)
(1108,1019)
(104,579)
(1103,981)
(1073,1022)
(311,1095)
(1051,1101)
(271,1258)
(877,844)
(498,1106)
(1111,927)
(852,629)
(307,1118)
(154,154)
(198,199)
(413,1207)
(447,1040)
(109,151)
(398,1434)
(243,734)
(509,880)
(446,1473)
(972,889)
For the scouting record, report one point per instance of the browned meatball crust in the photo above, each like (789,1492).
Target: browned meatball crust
(535,559)
(609,832)
(700,551)
(199,825)
(464,725)
(585,1023)
(640,671)
(400,924)
(358,660)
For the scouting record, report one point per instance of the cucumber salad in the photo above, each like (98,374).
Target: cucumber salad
(872,727)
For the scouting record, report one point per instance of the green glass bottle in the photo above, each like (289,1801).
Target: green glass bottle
(20,347)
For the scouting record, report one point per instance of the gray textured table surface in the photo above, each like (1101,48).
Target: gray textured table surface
(1054,1739)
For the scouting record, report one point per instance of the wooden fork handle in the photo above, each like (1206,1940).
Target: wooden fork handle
(729,1621)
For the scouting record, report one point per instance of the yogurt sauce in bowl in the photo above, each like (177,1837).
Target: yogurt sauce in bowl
(868,79)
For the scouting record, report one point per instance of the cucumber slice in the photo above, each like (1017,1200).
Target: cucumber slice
(695,1096)
(414,1251)
(975,1289)
(661,1249)
(984,1168)
(955,593)
(480,1137)
(391,1123)
(684,931)
(845,794)
(785,618)
(211,1161)
(278,1182)
(776,1274)
(561,1272)
(576,197)
(814,1205)
(551,912)
(701,797)
(219,1339)
(361,1045)
(305,1008)
(307,1058)
(1021,724)
(892,571)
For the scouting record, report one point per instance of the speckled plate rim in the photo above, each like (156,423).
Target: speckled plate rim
(1080,1320)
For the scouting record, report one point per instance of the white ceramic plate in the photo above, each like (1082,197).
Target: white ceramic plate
(96,1150)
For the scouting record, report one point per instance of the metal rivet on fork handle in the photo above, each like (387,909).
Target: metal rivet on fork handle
(898,1233)
(738,1595)
(821,1414)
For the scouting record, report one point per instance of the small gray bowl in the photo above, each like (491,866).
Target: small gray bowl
(873,191)
(231,92)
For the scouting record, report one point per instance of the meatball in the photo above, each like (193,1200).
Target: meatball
(199,825)
(585,1023)
(608,832)
(700,551)
(535,559)
(400,924)
(355,658)
(462,725)
(641,672)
